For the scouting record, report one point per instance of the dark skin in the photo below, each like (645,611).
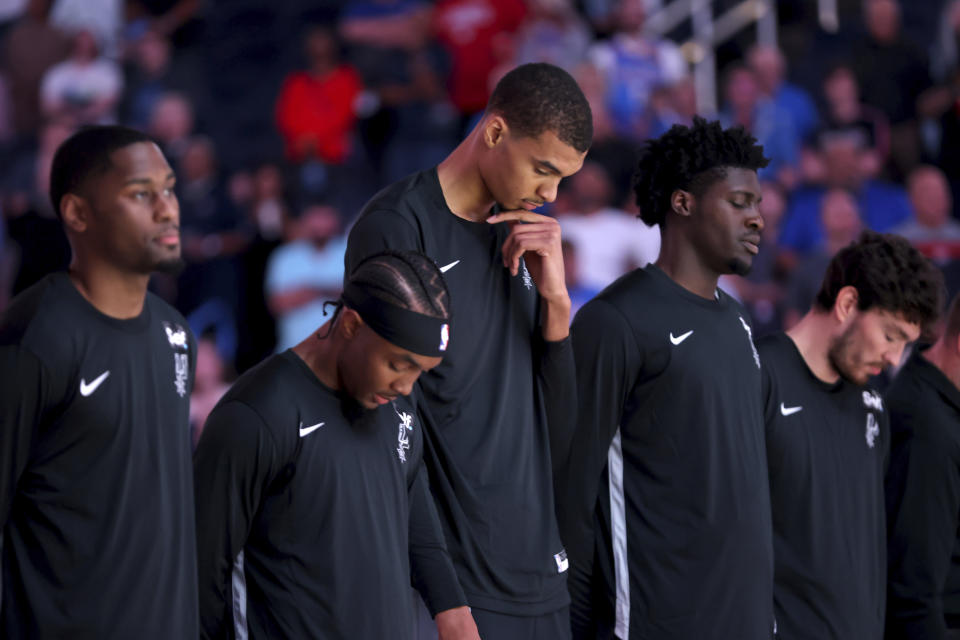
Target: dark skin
(715,233)
(352,358)
(122,225)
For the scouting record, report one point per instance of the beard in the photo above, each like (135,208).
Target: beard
(739,267)
(170,266)
(843,358)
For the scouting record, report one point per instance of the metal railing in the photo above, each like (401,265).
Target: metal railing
(709,32)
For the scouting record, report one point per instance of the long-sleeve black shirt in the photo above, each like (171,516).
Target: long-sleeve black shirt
(923,503)
(667,471)
(488,405)
(826,447)
(96,492)
(311,513)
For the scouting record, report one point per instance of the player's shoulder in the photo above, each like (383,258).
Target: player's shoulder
(44,319)
(774,345)
(407,200)
(631,290)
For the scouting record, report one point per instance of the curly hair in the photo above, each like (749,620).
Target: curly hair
(407,279)
(690,158)
(539,97)
(889,274)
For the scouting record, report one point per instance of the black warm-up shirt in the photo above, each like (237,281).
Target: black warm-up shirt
(667,472)
(312,512)
(487,406)
(923,503)
(826,447)
(96,492)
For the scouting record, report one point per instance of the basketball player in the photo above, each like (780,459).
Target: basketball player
(485,406)
(828,436)
(923,491)
(96,498)
(667,473)
(312,501)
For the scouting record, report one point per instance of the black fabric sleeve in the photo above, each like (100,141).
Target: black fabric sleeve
(22,399)
(922,539)
(607,363)
(431,569)
(235,461)
(557,381)
(375,231)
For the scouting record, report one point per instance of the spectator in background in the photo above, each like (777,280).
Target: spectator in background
(772,126)
(608,241)
(209,385)
(467,29)
(632,66)
(150,76)
(892,73)
(844,157)
(846,112)
(580,294)
(673,104)
(31,47)
(770,69)
(932,203)
(171,124)
(841,223)
(213,235)
(101,18)
(316,107)
(304,273)
(944,51)
(553,32)
(83,89)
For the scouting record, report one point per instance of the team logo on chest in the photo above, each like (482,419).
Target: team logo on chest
(873,401)
(527,279)
(177,337)
(403,437)
(746,327)
(873,430)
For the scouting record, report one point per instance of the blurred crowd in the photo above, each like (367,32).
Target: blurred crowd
(281,119)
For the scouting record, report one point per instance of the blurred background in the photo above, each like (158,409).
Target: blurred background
(282,118)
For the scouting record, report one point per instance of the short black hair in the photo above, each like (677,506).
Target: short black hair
(538,97)
(87,153)
(888,274)
(690,158)
(406,279)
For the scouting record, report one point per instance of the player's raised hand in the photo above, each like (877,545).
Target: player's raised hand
(536,238)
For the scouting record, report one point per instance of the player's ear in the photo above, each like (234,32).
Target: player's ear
(845,306)
(681,202)
(75,212)
(494,130)
(349,324)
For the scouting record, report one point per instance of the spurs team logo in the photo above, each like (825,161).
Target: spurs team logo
(444,336)
(403,438)
(873,430)
(177,337)
(872,400)
(527,279)
(746,327)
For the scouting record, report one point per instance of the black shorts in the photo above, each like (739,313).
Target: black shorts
(500,626)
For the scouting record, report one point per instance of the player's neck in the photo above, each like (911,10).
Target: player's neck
(319,351)
(462,185)
(812,337)
(112,292)
(686,269)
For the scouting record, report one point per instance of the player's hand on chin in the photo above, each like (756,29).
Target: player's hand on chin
(457,624)
(536,238)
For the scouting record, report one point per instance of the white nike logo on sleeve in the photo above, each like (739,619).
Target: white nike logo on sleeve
(87,389)
(305,431)
(449,266)
(677,340)
(789,411)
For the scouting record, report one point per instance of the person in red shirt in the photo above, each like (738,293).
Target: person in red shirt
(315,109)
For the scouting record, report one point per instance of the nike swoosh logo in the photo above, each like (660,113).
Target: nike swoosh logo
(677,340)
(305,431)
(449,266)
(789,411)
(87,389)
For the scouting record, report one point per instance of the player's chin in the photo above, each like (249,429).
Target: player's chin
(172,265)
(740,265)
